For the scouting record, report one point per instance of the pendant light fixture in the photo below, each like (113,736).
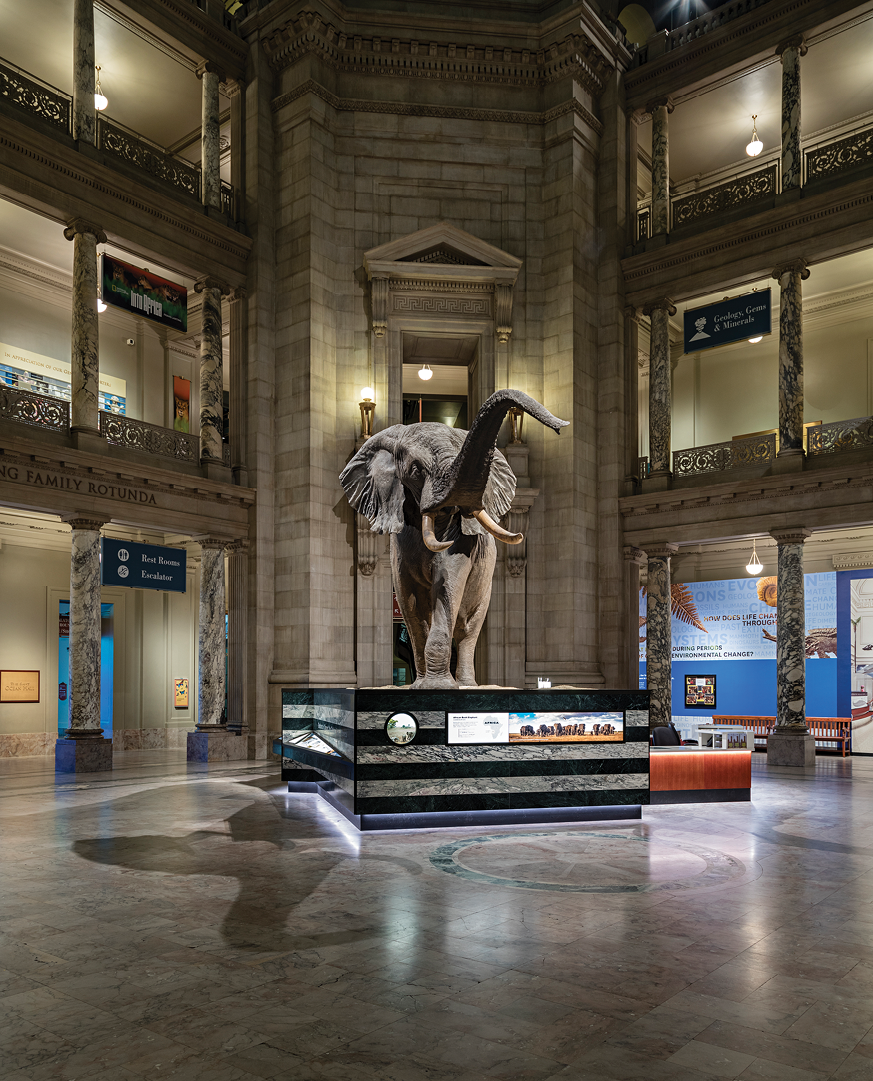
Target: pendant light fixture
(754,341)
(425,372)
(754,566)
(754,148)
(100,99)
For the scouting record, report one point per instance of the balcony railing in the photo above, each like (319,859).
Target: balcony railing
(24,91)
(840,435)
(150,158)
(120,431)
(841,155)
(733,193)
(717,457)
(37,410)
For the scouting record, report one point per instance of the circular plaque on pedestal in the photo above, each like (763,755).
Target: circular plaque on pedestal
(401,728)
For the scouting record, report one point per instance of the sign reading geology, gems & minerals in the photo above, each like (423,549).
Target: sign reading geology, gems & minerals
(727,321)
(143,566)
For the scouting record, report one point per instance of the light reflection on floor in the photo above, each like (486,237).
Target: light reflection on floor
(188,922)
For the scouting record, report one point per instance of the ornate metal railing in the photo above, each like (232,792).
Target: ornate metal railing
(841,155)
(714,19)
(120,431)
(760,450)
(737,192)
(25,91)
(129,147)
(840,435)
(37,410)
(642,467)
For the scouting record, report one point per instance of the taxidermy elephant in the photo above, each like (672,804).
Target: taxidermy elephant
(440,492)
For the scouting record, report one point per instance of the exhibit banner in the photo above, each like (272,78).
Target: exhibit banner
(539,727)
(45,375)
(136,290)
(143,566)
(726,321)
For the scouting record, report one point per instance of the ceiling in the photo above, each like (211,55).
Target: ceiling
(149,80)
(710,131)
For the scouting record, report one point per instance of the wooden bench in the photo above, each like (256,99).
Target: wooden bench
(824,729)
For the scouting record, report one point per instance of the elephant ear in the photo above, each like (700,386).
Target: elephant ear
(497,498)
(371,483)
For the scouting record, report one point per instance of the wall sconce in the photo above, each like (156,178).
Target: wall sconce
(100,99)
(368,408)
(516,422)
(754,566)
(755,146)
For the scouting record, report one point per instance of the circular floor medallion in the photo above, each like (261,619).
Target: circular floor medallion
(585,862)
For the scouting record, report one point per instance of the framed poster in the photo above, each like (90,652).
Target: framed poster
(700,692)
(19,686)
(181,404)
(180,693)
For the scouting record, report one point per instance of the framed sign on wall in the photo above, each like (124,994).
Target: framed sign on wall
(19,686)
(700,692)
(180,693)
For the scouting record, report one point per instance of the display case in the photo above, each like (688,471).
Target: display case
(403,759)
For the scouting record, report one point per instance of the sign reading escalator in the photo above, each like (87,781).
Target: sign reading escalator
(143,566)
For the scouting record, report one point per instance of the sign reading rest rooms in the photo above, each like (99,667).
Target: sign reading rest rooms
(143,566)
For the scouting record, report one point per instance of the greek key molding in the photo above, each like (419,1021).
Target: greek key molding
(307,33)
(469,305)
(447,112)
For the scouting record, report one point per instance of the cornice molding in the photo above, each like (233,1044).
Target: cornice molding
(395,57)
(448,112)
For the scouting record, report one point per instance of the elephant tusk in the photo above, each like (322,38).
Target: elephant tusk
(430,537)
(495,530)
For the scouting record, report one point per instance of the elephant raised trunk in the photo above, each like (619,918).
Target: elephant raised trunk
(440,494)
(463,483)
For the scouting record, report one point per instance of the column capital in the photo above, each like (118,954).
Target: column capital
(632,313)
(208,282)
(634,555)
(797,535)
(793,266)
(209,66)
(80,520)
(236,293)
(661,550)
(238,547)
(75,226)
(794,42)
(213,542)
(665,102)
(660,304)
(233,87)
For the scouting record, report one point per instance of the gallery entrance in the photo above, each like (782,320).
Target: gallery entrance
(107,663)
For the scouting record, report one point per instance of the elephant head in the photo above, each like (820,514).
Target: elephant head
(409,475)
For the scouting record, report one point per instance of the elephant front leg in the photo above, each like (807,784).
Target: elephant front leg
(449,581)
(474,608)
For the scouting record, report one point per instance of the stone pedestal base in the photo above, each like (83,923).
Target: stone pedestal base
(83,755)
(220,746)
(790,749)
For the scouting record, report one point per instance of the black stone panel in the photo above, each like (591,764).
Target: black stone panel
(412,771)
(502,701)
(500,801)
(704,795)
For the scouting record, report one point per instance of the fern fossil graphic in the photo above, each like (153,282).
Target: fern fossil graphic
(682,606)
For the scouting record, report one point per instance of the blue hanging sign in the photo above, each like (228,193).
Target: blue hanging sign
(143,566)
(747,316)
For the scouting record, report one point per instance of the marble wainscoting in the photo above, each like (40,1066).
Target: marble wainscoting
(150,739)
(27,744)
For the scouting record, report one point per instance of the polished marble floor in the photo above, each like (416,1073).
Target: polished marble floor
(194,922)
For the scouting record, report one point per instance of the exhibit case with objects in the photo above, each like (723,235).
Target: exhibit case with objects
(409,759)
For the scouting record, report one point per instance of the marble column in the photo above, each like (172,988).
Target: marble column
(660,390)
(791,51)
(85,344)
(790,744)
(210,140)
(211,371)
(237,636)
(84,114)
(660,109)
(238,352)
(790,276)
(84,749)
(659,639)
(210,683)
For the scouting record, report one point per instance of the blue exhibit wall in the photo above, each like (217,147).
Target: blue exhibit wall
(729,642)
(748,688)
